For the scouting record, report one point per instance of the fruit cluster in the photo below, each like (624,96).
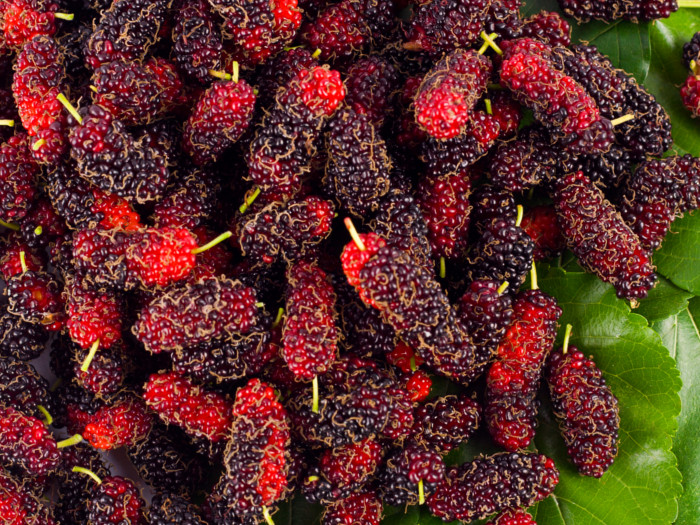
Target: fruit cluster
(182,239)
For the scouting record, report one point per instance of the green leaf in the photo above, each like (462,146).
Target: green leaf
(681,336)
(663,301)
(679,255)
(642,485)
(668,72)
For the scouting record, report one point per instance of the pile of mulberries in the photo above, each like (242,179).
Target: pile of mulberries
(185,241)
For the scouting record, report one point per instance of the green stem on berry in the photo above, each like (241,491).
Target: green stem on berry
(489,42)
(421,492)
(236,68)
(48,419)
(71,109)
(9,225)
(694,67)
(93,88)
(7,122)
(69,442)
(249,200)
(316,54)
(38,144)
(213,242)
(91,355)
(220,74)
(622,119)
(495,87)
(38,230)
(23,261)
(87,472)
(443,269)
(567,335)
(533,277)
(487,103)
(314,402)
(289,48)
(278,319)
(412,363)
(353,233)
(266,515)
(260,305)
(64,16)
(503,287)
(519,217)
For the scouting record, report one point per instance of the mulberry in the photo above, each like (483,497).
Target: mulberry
(125,422)
(221,116)
(19,505)
(27,443)
(440,26)
(690,94)
(279,71)
(541,224)
(446,422)
(449,92)
(586,409)
(493,484)
(171,507)
(513,517)
(36,298)
(22,20)
(20,339)
(358,509)
(18,173)
(549,27)
(358,167)
(371,83)
(137,93)
(115,500)
(513,380)
(281,151)
(600,239)
(410,474)
(125,31)
(21,387)
(609,11)
(197,41)
(201,413)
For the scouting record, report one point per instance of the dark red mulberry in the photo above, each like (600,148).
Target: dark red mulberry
(345,29)
(691,50)
(614,10)
(74,488)
(358,166)
(281,151)
(549,27)
(257,455)
(18,173)
(201,413)
(221,116)
(493,204)
(513,380)
(586,409)
(409,475)
(291,230)
(595,231)
(449,92)
(504,19)
(20,339)
(513,517)
(493,484)
(441,425)
(125,31)
(654,196)
(197,41)
(358,509)
(439,26)
(125,422)
(22,20)
(93,316)
(137,93)
(21,387)
(27,443)
(690,94)
(20,506)
(541,224)
(280,70)
(36,298)
(116,500)
(371,83)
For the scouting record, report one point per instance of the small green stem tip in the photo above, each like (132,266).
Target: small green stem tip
(278,319)
(533,277)
(622,119)
(70,107)
(236,70)
(64,16)
(249,200)
(48,419)
(266,515)
(503,287)
(56,384)
(316,53)
(688,3)
(519,216)
(314,401)
(443,268)
(489,108)
(412,363)
(91,355)
(353,233)
(311,479)
(7,122)
(220,74)
(93,88)
(259,305)
(9,225)
(567,336)
(87,472)
(38,230)
(213,242)
(38,144)
(421,492)
(23,261)
(694,67)
(69,442)
(490,42)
